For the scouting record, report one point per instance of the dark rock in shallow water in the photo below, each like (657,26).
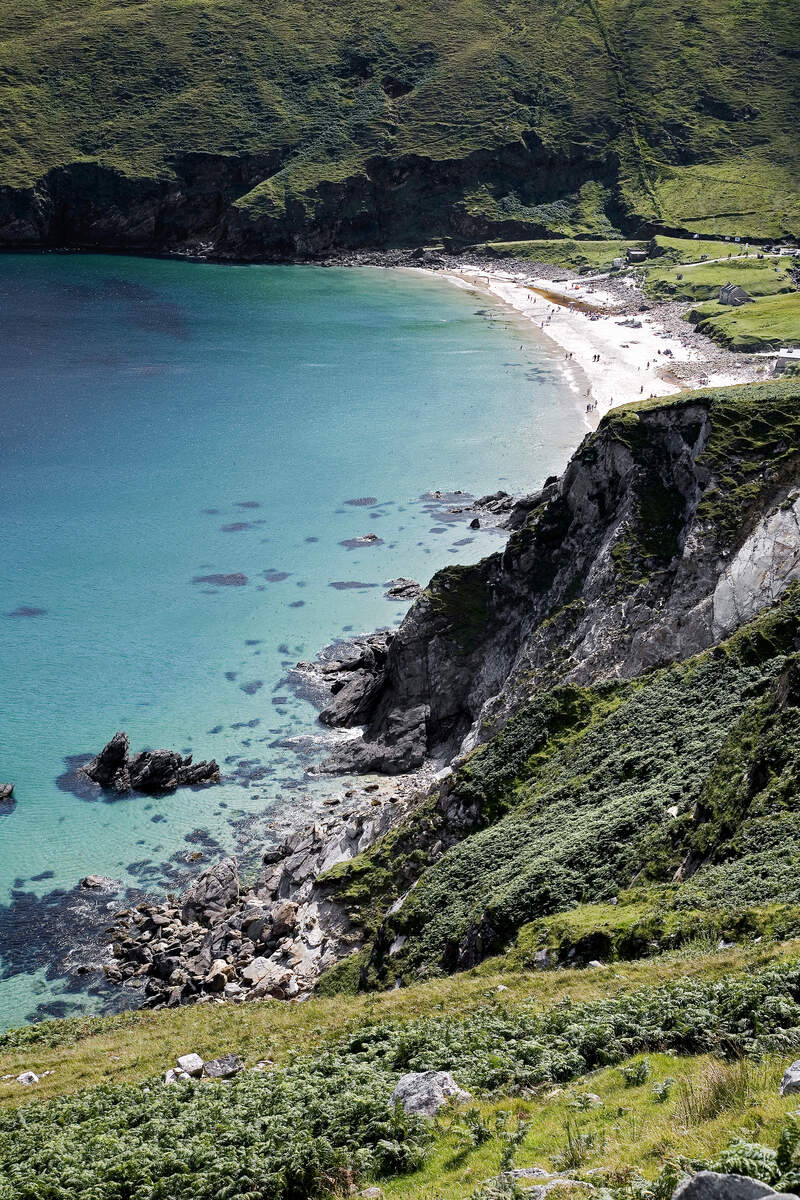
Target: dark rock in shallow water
(101,883)
(149,771)
(110,765)
(235,579)
(7,801)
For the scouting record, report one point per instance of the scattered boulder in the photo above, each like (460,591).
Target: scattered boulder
(175,1075)
(100,883)
(791,1079)
(192,1064)
(425,1092)
(27,1078)
(284,918)
(150,771)
(223,1068)
(709,1185)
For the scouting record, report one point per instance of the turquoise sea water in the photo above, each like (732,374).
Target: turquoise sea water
(163,422)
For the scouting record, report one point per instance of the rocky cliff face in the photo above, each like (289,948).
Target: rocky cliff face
(671,525)
(209,204)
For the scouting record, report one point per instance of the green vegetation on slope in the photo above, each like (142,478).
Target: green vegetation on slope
(768,323)
(590,812)
(702,281)
(406,120)
(589,789)
(588,254)
(322,1122)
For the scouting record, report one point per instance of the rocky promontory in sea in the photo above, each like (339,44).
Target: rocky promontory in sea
(150,771)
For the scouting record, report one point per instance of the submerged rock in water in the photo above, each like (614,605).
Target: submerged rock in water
(148,771)
(7,800)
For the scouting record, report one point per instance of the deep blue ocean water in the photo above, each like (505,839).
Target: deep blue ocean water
(165,422)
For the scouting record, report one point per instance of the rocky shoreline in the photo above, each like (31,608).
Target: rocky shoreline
(223,940)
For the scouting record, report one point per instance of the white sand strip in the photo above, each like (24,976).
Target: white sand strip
(617,362)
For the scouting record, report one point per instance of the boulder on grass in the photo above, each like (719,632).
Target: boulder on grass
(192,1064)
(425,1092)
(791,1079)
(223,1068)
(710,1185)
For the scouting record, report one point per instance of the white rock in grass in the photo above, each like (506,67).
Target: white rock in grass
(27,1078)
(425,1092)
(192,1064)
(175,1075)
(791,1079)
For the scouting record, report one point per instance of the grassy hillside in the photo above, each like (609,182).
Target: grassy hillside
(702,280)
(771,322)
(589,790)
(623,1071)
(568,117)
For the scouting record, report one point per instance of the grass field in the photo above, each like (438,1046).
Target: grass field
(702,281)
(590,254)
(93,1123)
(769,323)
(86,1052)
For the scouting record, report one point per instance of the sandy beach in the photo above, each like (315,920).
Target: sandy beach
(613,353)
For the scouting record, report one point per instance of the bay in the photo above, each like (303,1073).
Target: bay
(183,447)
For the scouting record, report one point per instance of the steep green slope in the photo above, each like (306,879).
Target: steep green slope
(687,772)
(296,127)
(673,768)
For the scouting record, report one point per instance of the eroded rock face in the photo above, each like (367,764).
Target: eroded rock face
(150,771)
(224,942)
(214,891)
(613,569)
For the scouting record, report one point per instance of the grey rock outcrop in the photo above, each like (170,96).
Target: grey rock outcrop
(590,586)
(401,747)
(192,1064)
(151,771)
(791,1079)
(100,883)
(223,1068)
(212,893)
(425,1092)
(108,768)
(353,681)
(709,1185)
(403,589)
